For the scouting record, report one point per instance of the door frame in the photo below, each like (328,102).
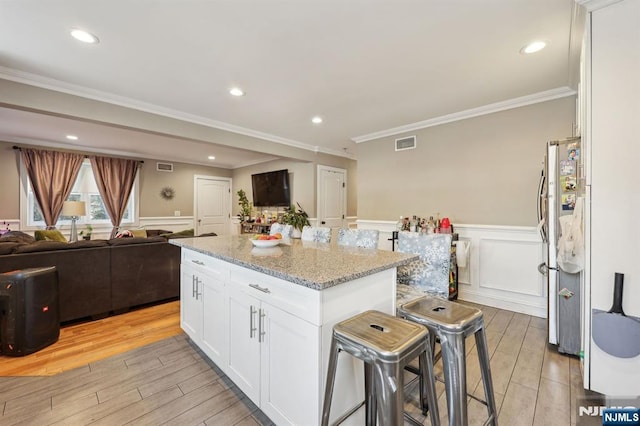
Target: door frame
(195,199)
(319,205)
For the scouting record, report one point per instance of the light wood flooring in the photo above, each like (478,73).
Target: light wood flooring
(170,382)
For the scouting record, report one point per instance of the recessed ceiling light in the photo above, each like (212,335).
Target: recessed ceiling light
(533,47)
(316,120)
(84,36)
(236,91)
(72,137)
(211,157)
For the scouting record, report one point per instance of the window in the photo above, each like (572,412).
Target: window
(85,189)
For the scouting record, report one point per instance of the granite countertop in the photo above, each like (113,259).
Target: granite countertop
(314,265)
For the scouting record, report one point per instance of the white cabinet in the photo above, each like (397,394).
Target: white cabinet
(274,356)
(613,108)
(243,366)
(271,337)
(290,368)
(190,303)
(203,304)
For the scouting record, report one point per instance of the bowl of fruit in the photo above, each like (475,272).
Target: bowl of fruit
(264,240)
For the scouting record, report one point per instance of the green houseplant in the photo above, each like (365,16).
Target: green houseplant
(297,218)
(86,233)
(245,206)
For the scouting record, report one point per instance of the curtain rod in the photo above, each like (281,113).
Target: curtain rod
(86,156)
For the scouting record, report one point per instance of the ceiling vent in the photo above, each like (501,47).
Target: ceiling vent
(405,143)
(164,167)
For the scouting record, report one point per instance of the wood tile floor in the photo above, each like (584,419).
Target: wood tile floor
(170,382)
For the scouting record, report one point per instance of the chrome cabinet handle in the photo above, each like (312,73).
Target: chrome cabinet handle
(261,331)
(252,327)
(198,293)
(262,289)
(198,262)
(194,290)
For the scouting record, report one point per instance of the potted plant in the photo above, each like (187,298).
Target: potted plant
(86,234)
(296,218)
(245,206)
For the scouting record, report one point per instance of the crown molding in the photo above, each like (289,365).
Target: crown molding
(592,5)
(100,96)
(545,96)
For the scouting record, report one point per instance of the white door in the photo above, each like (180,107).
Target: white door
(332,196)
(212,205)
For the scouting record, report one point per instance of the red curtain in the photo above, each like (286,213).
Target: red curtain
(52,175)
(115,178)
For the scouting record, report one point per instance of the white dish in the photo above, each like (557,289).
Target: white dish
(265,243)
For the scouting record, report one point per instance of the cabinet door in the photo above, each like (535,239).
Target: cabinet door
(214,320)
(191,303)
(290,368)
(243,367)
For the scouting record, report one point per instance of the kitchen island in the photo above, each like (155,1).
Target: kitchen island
(265,316)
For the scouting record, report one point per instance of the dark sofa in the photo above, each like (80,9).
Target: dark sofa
(99,277)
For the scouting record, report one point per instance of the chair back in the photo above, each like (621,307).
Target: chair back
(430,273)
(285,230)
(319,234)
(365,238)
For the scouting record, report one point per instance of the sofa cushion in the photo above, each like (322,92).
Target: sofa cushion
(156,232)
(182,234)
(42,246)
(88,244)
(50,235)
(17,237)
(7,247)
(134,240)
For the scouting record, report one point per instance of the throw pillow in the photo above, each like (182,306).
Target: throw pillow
(17,237)
(50,235)
(141,233)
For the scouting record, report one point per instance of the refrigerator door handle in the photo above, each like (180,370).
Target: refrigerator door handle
(541,208)
(543,268)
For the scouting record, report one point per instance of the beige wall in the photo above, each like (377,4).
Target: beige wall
(151,182)
(303,178)
(9,182)
(181,180)
(483,170)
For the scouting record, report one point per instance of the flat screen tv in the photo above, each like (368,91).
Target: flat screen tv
(271,189)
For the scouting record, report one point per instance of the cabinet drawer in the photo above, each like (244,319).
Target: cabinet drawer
(298,300)
(215,267)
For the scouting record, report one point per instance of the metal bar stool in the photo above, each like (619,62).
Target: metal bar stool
(385,344)
(451,323)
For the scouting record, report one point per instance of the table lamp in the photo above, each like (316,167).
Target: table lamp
(74,209)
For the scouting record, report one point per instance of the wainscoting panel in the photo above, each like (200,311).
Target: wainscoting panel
(502,262)
(501,269)
(169,223)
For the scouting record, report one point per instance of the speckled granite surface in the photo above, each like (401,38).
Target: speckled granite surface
(314,265)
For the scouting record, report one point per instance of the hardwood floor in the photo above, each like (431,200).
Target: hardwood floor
(169,381)
(88,342)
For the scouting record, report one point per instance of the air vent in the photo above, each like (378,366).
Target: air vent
(405,143)
(164,167)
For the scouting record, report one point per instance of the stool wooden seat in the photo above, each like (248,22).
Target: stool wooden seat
(385,344)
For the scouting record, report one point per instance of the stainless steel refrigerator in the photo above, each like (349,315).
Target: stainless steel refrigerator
(561,184)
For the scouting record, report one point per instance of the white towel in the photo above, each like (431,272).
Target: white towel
(462,253)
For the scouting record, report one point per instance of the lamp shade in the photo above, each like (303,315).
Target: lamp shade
(74,208)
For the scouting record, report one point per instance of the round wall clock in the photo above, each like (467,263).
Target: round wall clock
(167,193)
